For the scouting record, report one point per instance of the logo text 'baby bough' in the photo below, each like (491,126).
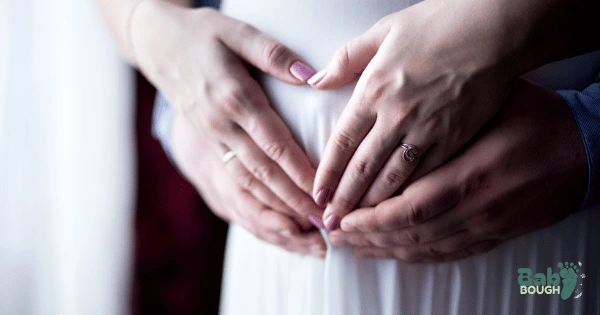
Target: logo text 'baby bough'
(563,283)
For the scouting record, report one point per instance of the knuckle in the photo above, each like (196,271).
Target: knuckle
(362,169)
(247,181)
(296,203)
(489,215)
(231,98)
(342,56)
(244,28)
(450,198)
(374,88)
(275,53)
(393,178)
(275,150)
(264,173)
(476,181)
(431,251)
(414,214)
(344,202)
(411,237)
(344,141)
(214,123)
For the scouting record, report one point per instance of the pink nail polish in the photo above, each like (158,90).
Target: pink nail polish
(315,79)
(316,221)
(301,71)
(332,223)
(322,197)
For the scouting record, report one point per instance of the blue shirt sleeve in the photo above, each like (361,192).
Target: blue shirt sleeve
(163,117)
(585,106)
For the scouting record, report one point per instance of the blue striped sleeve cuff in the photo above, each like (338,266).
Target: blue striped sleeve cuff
(585,106)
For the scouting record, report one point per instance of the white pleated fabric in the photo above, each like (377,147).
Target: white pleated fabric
(263,279)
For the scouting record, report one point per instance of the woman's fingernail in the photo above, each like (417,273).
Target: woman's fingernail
(316,221)
(285,233)
(315,79)
(332,223)
(301,71)
(322,197)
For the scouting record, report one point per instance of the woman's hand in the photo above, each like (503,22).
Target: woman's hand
(230,201)
(526,171)
(430,77)
(197,58)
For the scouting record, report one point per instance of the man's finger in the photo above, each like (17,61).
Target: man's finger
(271,175)
(272,135)
(419,202)
(261,220)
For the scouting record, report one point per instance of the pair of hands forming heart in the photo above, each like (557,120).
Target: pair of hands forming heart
(428,78)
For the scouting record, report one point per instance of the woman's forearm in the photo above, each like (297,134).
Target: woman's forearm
(118,15)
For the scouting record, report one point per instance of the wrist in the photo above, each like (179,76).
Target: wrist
(516,36)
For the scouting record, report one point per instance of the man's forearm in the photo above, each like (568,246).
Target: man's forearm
(542,31)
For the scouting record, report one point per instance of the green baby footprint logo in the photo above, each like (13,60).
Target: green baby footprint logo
(569,274)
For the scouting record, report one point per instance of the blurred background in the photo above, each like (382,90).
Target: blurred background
(93,217)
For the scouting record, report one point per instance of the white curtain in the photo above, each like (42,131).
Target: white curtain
(66,162)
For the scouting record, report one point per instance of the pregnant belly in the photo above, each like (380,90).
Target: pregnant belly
(315,29)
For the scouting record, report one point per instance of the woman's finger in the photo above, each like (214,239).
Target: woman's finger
(350,131)
(263,52)
(401,163)
(351,59)
(363,167)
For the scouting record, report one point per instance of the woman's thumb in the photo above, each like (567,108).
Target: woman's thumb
(350,60)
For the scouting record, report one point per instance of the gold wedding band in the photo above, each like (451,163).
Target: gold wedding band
(228,156)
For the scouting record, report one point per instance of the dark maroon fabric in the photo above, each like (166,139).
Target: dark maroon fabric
(179,242)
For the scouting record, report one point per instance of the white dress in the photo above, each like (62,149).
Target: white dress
(260,278)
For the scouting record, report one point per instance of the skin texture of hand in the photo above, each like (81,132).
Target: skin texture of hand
(197,58)
(232,202)
(428,79)
(527,170)
(431,76)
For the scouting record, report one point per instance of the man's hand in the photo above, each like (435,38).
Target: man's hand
(527,170)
